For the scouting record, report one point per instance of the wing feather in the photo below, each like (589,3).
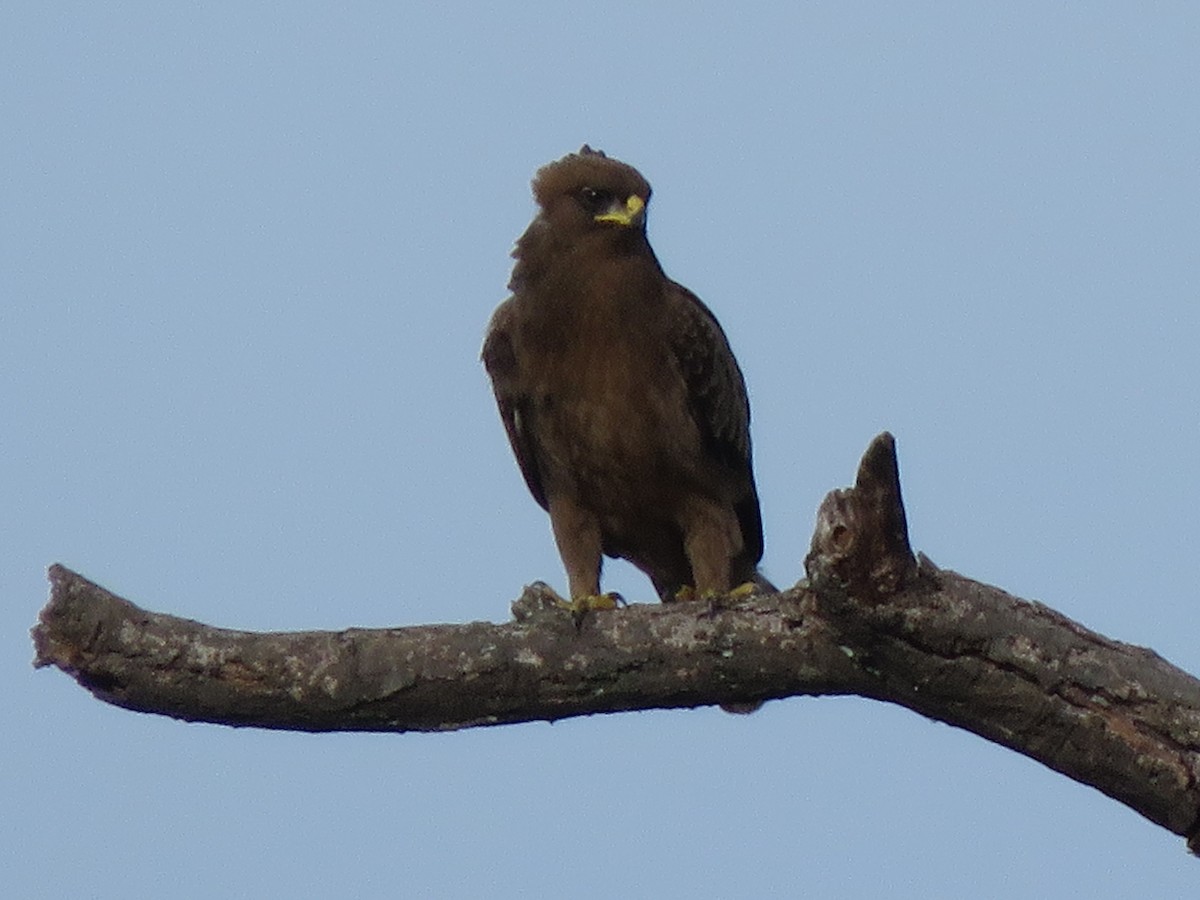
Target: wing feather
(718,402)
(516,407)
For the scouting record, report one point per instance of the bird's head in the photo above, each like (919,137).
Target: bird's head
(587,193)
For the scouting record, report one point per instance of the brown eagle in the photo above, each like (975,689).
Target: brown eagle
(623,403)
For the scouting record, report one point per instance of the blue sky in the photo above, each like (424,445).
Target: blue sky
(247,254)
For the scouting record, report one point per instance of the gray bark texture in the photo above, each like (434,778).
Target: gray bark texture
(871,620)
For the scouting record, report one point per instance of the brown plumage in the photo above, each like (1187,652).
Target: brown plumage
(623,403)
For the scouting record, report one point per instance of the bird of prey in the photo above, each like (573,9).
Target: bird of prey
(623,403)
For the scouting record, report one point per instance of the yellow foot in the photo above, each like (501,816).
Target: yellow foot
(718,600)
(744,590)
(685,594)
(582,605)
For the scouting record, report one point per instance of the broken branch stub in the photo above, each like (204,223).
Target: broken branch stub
(860,542)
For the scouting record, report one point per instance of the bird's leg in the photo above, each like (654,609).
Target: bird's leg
(577,534)
(712,540)
(710,543)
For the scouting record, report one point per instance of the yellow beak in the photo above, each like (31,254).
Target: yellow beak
(626,215)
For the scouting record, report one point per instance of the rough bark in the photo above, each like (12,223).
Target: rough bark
(871,621)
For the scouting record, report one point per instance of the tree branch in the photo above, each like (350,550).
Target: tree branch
(872,621)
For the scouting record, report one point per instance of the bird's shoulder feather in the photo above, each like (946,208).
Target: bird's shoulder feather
(716,390)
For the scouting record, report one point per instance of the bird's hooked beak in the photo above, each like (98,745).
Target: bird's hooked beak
(632,212)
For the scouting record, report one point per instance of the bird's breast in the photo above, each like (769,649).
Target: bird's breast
(611,414)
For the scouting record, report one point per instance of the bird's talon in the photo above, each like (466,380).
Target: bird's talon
(580,606)
(714,602)
(685,594)
(744,590)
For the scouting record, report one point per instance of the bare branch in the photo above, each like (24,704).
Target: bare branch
(873,622)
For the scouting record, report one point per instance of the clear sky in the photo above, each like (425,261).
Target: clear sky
(247,254)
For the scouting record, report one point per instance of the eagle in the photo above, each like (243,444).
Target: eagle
(621,398)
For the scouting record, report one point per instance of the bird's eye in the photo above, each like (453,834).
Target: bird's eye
(594,200)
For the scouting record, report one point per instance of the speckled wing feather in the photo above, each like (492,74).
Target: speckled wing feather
(717,399)
(715,387)
(515,406)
